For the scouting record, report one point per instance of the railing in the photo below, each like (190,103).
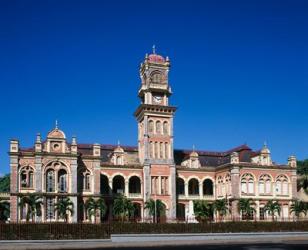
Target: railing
(134,195)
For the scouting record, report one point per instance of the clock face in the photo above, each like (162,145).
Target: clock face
(158,99)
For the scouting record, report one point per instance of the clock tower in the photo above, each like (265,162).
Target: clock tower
(155,132)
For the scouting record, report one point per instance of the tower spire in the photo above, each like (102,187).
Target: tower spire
(154,49)
(56,124)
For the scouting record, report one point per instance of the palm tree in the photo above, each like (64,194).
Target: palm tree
(64,206)
(34,203)
(203,210)
(160,208)
(221,206)
(246,207)
(298,207)
(4,210)
(272,207)
(92,206)
(123,207)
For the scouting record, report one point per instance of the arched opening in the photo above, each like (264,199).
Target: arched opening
(193,187)
(104,184)
(151,126)
(208,187)
(180,186)
(134,185)
(50,180)
(158,127)
(180,211)
(118,185)
(26,177)
(62,181)
(165,128)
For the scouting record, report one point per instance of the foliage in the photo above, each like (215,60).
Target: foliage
(4,210)
(123,207)
(298,208)
(302,171)
(221,206)
(203,210)
(246,207)
(160,208)
(34,203)
(92,206)
(272,207)
(64,206)
(5,183)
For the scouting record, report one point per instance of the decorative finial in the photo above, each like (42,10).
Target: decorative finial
(56,124)
(264,144)
(193,147)
(153,47)
(118,143)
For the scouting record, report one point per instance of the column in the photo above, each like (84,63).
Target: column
(38,173)
(200,190)
(126,188)
(146,187)
(74,188)
(257,207)
(172,188)
(186,189)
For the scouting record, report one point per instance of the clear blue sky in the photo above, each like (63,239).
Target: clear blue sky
(239,71)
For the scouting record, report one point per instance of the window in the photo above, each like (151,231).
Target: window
(156,77)
(151,126)
(87,182)
(166,129)
(262,214)
(162,151)
(247,184)
(50,211)
(50,181)
(158,127)
(282,185)
(265,184)
(62,182)
(26,177)
(166,150)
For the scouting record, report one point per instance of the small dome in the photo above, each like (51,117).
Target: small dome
(194,154)
(265,150)
(118,149)
(156,58)
(56,133)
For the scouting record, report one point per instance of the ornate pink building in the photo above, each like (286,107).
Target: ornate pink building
(56,167)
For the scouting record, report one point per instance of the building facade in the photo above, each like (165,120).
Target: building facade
(55,167)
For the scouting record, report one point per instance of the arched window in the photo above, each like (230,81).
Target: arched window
(152,149)
(247,184)
(62,181)
(157,150)
(118,184)
(265,184)
(151,126)
(104,184)
(166,128)
(207,187)
(50,180)
(220,184)
(87,182)
(158,127)
(228,184)
(156,77)
(193,187)
(180,186)
(282,185)
(134,185)
(26,177)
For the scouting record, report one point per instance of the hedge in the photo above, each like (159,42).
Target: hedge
(50,231)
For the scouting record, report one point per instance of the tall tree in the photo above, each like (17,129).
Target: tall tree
(221,207)
(5,183)
(160,208)
(4,210)
(92,206)
(302,171)
(33,202)
(272,207)
(298,208)
(123,207)
(64,206)
(246,207)
(203,210)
